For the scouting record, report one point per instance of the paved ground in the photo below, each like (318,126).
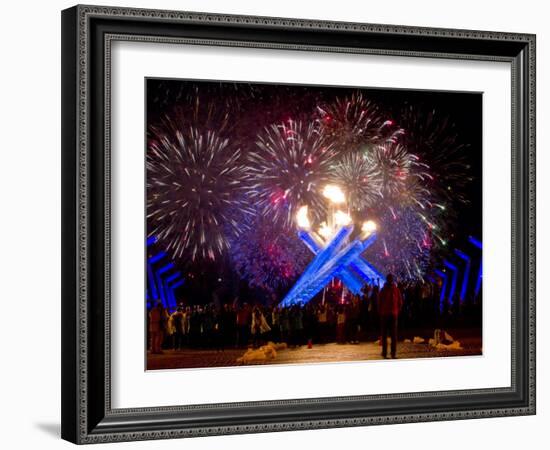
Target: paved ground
(191,358)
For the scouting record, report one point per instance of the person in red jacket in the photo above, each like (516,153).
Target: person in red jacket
(390,302)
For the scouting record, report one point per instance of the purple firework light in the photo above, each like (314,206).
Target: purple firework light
(404,242)
(268,256)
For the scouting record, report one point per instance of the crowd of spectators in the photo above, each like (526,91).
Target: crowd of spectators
(336,316)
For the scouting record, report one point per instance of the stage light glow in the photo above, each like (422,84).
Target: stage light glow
(334,194)
(302,218)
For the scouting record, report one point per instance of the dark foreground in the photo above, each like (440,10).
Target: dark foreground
(319,353)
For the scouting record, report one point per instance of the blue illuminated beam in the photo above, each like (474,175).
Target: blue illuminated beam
(443,276)
(153,282)
(166,292)
(173,277)
(314,243)
(155,258)
(368,271)
(453,280)
(177,284)
(478,244)
(165,268)
(318,261)
(172,288)
(465,278)
(331,262)
(332,269)
(475,242)
(479,277)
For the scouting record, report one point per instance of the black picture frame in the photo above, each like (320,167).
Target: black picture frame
(87,33)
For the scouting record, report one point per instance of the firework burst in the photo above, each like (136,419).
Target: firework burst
(354,121)
(289,169)
(433,137)
(397,167)
(195,188)
(359,178)
(404,242)
(192,114)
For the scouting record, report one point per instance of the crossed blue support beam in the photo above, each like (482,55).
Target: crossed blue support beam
(320,259)
(335,266)
(333,261)
(367,271)
(350,279)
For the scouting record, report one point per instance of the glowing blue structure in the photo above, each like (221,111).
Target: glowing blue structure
(170,288)
(443,276)
(468,264)
(161,281)
(339,258)
(155,285)
(453,280)
(350,279)
(478,244)
(455,268)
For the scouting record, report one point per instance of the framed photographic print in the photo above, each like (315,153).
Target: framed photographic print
(268,222)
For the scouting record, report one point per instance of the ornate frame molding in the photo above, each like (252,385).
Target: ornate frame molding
(85,422)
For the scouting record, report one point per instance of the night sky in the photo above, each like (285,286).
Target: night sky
(252,107)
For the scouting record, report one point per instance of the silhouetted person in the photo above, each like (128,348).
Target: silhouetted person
(259,327)
(390,302)
(157,326)
(177,325)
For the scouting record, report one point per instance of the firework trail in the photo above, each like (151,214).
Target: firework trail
(353,122)
(195,188)
(194,114)
(289,169)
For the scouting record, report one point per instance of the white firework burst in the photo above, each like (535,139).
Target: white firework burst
(195,183)
(360,179)
(289,169)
